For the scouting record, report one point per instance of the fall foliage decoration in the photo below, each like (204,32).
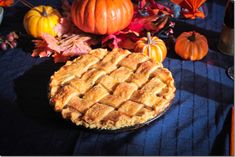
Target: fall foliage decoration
(158,22)
(154,47)
(41,19)
(124,39)
(149,16)
(151,7)
(102,17)
(62,48)
(6,3)
(191,46)
(190,8)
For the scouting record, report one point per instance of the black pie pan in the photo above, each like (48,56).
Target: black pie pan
(126,129)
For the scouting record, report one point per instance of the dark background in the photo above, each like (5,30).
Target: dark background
(198,122)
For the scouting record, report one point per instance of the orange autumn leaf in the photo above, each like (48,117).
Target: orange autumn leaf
(191,8)
(6,3)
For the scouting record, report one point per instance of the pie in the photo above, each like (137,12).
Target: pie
(111,90)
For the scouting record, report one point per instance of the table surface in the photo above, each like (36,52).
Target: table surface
(197,123)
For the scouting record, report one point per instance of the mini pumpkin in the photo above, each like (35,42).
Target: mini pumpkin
(102,16)
(154,47)
(191,46)
(41,19)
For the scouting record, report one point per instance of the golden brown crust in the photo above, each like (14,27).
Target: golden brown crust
(111,90)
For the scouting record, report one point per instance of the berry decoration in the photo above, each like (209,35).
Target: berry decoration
(8,41)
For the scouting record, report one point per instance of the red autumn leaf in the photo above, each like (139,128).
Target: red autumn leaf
(138,24)
(59,58)
(158,15)
(127,44)
(123,39)
(163,8)
(153,7)
(190,8)
(142,3)
(114,41)
(160,24)
(6,3)
(149,23)
(41,49)
(157,20)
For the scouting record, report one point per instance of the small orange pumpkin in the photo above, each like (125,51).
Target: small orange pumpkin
(102,16)
(154,47)
(191,45)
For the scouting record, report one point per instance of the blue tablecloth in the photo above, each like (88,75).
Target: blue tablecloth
(198,122)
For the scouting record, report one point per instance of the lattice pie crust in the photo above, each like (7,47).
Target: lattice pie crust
(111,90)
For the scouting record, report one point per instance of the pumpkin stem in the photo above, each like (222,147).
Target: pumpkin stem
(149,38)
(192,37)
(44,12)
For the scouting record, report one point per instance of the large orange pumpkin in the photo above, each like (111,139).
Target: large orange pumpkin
(191,45)
(154,47)
(102,16)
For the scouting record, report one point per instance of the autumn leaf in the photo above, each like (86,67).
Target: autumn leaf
(41,49)
(150,23)
(157,20)
(61,48)
(123,39)
(151,7)
(59,58)
(190,8)
(74,45)
(6,3)
(52,42)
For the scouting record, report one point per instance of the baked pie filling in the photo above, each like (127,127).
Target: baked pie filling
(111,90)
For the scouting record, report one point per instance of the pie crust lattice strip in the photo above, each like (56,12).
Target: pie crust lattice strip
(111,90)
